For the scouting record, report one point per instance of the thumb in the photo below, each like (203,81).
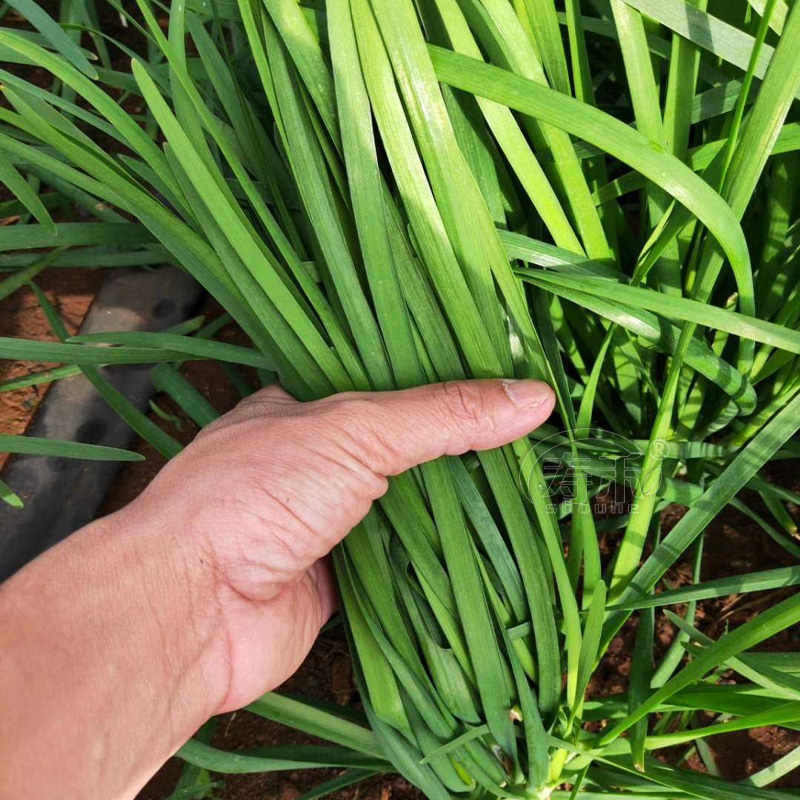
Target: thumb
(394,431)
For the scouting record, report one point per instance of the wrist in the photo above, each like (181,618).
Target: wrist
(115,627)
(179,580)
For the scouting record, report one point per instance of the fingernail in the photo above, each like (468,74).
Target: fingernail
(526,393)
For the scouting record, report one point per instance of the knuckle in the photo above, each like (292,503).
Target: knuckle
(213,427)
(273,395)
(351,429)
(465,404)
(266,402)
(270,403)
(350,417)
(344,407)
(357,413)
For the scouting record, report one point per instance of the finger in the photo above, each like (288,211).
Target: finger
(393,431)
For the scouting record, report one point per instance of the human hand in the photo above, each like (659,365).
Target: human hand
(210,588)
(265,492)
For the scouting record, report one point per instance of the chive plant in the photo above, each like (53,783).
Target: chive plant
(383,193)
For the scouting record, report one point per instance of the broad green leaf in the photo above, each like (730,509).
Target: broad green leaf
(306,717)
(38,446)
(605,132)
(275,759)
(54,34)
(9,496)
(187,346)
(722,587)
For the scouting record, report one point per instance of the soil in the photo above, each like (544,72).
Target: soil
(71,291)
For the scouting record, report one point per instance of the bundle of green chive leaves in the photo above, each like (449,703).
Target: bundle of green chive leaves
(382,193)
